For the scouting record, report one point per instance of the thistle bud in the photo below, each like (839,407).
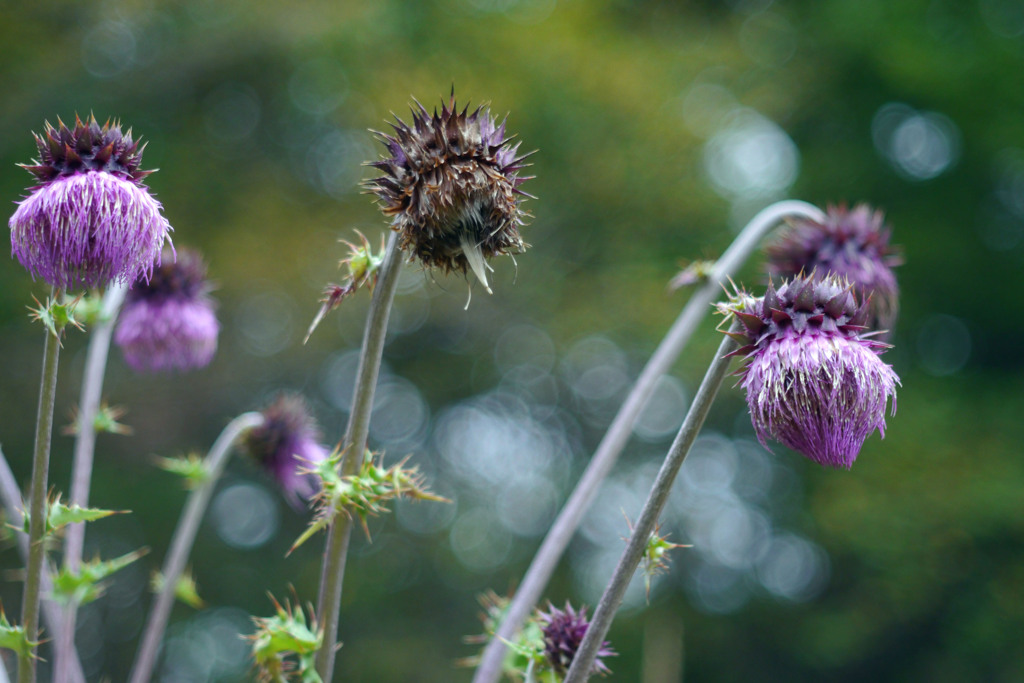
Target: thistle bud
(851,244)
(813,380)
(451,188)
(287,446)
(563,633)
(168,323)
(90,220)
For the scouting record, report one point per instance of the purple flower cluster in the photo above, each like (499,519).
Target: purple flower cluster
(286,444)
(813,380)
(168,323)
(90,220)
(563,632)
(853,244)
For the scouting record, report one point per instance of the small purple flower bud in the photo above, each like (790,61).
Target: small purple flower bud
(563,633)
(813,379)
(168,323)
(287,445)
(851,244)
(90,220)
(451,188)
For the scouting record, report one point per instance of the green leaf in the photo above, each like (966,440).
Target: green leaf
(61,515)
(185,590)
(192,467)
(84,586)
(285,635)
(13,637)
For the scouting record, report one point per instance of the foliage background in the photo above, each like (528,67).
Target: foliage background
(661,127)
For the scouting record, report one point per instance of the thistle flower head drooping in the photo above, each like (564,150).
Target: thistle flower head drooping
(813,380)
(451,188)
(90,220)
(168,323)
(286,445)
(563,633)
(849,243)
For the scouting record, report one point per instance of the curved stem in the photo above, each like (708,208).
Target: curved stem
(14,506)
(81,467)
(354,446)
(37,505)
(583,661)
(181,544)
(607,453)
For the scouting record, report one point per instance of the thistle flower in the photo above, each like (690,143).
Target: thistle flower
(90,220)
(563,633)
(813,380)
(168,323)
(851,244)
(451,188)
(286,445)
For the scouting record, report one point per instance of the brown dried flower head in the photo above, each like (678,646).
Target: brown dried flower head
(450,186)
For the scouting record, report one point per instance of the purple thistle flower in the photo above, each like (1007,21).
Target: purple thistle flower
(451,188)
(90,220)
(851,244)
(563,632)
(168,323)
(813,379)
(286,445)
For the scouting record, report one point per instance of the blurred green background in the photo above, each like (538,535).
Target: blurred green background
(662,127)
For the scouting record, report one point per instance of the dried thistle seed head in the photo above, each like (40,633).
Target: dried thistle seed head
(89,220)
(287,445)
(813,380)
(450,186)
(563,634)
(169,322)
(853,244)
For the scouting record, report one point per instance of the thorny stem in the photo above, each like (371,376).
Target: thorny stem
(181,543)
(354,445)
(583,661)
(14,507)
(37,504)
(607,453)
(81,468)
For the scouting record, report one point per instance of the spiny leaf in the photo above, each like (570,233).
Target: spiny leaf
(283,636)
(13,637)
(192,467)
(84,586)
(185,590)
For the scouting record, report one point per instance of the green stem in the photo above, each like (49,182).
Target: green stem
(181,544)
(37,505)
(81,467)
(14,507)
(583,661)
(615,439)
(354,446)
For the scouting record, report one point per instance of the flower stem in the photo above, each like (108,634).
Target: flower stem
(181,543)
(81,467)
(354,446)
(607,453)
(14,507)
(37,505)
(583,661)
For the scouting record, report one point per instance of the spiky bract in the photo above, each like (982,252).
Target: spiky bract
(563,633)
(169,322)
(90,220)
(287,445)
(849,243)
(813,381)
(451,188)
